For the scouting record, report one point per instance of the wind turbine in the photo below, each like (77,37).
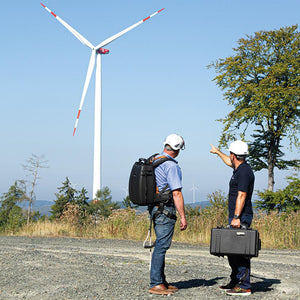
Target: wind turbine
(95,56)
(194,188)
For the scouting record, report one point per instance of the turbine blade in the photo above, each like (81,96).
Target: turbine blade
(82,39)
(112,38)
(86,85)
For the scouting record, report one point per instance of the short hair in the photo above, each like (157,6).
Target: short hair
(240,157)
(169,148)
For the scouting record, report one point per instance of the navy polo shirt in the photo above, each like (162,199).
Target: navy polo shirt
(242,180)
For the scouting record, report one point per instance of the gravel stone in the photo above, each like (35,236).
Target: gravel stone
(67,268)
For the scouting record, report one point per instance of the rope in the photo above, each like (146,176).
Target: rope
(149,245)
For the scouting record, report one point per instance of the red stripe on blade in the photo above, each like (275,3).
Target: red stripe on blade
(160,10)
(52,13)
(78,114)
(146,19)
(43,5)
(74,131)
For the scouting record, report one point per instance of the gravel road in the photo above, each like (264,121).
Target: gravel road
(65,268)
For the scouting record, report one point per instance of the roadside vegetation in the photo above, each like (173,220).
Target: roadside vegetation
(73,215)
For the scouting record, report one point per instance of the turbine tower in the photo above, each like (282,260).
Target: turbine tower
(95,56)
(194,188)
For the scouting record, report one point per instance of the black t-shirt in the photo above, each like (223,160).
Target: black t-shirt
(242,180)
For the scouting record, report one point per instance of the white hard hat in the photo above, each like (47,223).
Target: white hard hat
(239,148)
(175,141)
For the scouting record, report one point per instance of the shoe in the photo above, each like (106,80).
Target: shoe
(172,288)
(228,286)
(160,289)
(238,291)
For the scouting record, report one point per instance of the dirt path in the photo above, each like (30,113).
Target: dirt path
(63,268)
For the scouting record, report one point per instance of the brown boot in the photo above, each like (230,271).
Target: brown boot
(160,289)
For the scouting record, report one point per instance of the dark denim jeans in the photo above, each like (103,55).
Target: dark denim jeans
(164,229)
(240,265)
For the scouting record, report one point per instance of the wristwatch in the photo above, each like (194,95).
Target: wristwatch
(236,216)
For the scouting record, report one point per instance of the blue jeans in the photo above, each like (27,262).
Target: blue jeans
(164,229)
(240,265)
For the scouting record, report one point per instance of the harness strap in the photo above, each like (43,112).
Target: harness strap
(162,210)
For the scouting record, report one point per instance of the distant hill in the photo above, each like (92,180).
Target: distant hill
(202,204)
(43,206)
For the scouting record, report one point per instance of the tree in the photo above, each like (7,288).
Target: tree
(82,201)
(66,194)
(102,205)
(11,215)
(34,164)
(285,200)
(70,204)
(262,82)
(128,204)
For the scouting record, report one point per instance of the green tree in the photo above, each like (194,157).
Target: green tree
(102,205)
(82,201)
(66,194)
(285,200)
(128,204)
(261,81)
(11,215)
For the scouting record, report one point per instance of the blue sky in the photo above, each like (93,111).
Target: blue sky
(155,82)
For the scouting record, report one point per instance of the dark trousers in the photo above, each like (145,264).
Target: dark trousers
(240,265)
(240,270)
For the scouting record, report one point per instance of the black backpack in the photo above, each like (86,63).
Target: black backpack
(142,184)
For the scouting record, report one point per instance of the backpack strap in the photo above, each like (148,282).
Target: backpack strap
(163,196)
(158,160)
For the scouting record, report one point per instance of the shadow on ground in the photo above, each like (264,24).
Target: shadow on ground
(192,283)
(260,285)
(263,284)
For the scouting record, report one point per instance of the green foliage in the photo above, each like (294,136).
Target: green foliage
(218,200)
(68,195)
(128,204)
(102,204)
(192,211)
(216,211)
(262,83)
(285,200)
(11,215)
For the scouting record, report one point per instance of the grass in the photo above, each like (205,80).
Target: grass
(277,230)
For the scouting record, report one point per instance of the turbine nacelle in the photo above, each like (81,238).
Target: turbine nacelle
(103,51)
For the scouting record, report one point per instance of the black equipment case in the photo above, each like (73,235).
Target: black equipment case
(234,241)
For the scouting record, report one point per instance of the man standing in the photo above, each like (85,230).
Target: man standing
(168,180)
(240,212)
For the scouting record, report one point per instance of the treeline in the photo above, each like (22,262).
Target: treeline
(74,215)
(13,217)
